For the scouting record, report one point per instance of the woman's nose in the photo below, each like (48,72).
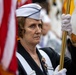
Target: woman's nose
(39,29)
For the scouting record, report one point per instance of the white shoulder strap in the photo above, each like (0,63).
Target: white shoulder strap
(48,62)
(25,65)
(29,70)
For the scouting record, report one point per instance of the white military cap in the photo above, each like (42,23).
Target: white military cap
(31,10)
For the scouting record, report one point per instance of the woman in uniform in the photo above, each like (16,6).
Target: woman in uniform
(32,61)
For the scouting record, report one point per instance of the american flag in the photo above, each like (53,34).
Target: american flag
(8,33)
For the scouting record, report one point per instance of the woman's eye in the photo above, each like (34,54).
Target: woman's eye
(40,25)
(32,26)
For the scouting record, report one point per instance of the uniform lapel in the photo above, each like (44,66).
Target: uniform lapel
(31,62)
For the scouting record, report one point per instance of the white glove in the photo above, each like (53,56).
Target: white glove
(61,72)
(66,23)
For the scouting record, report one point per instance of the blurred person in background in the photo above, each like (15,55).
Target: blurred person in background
(48,38)
(45,28)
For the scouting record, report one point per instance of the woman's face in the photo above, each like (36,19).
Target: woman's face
(32,31)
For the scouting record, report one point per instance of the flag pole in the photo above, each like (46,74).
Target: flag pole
(64,36)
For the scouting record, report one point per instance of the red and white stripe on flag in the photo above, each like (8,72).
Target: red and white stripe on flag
(22,2)
(8,43)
